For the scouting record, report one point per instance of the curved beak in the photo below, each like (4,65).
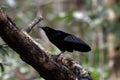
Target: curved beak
(41,27)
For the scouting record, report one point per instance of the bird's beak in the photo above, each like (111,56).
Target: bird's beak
(40,27)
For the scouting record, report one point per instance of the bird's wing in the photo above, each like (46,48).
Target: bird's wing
(74,39)
(76,43)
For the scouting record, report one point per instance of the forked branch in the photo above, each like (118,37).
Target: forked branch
(33,54)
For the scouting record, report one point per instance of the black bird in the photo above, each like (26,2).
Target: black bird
(65,41)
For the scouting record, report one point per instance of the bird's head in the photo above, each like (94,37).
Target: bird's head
(44,28)
(48,30)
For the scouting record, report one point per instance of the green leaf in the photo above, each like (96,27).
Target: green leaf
(116,8)
(2,67)
(3,50)
(66,16)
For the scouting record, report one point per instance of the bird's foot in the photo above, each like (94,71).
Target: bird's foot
(60,54)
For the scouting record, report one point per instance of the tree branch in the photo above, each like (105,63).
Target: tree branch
(79,71)
(33,23)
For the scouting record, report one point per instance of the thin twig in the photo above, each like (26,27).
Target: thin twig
(33,23)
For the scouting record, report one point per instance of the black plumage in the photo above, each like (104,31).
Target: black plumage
(65,41)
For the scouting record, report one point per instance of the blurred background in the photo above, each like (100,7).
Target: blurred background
(97,22)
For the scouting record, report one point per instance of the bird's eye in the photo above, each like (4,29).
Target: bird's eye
(46,28)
